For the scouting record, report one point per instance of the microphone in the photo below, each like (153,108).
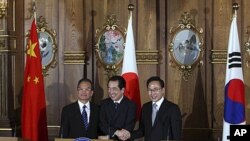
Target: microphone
(168,135)
(109,136)
(14,130)
(61,131)
(183,115)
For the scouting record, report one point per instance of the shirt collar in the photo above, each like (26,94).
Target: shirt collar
(119,101)
(158,103)
(81,104)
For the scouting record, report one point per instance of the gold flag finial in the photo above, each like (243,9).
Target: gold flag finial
(235,8)
(130,8)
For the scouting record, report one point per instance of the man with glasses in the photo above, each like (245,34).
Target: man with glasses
(81,118)
(160,118)
(117,113)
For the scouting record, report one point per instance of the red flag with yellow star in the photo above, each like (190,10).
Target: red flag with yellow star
(34,119)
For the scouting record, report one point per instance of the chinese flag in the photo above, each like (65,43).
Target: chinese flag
(34,119)
(129,69)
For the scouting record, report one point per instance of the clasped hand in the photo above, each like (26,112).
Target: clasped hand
(123,134)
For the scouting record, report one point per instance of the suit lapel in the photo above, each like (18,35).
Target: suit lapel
(110,110)
(90,116)
(148,115)
(77,112)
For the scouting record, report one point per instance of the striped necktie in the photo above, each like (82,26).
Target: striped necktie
(84,116)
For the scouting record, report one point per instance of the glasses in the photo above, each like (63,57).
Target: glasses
(156,90)
(84,89)
(113,89)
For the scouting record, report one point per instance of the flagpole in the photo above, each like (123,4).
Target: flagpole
(34,9)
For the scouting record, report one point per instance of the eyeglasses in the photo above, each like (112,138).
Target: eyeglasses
(84,89)
(113,89)
(156,90)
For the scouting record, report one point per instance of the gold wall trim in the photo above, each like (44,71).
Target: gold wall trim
(7,36)
(53,126)
(147,57)
(5,129)
(74,58)
(247,49)
(143,57)
(218,56)
(4,51)
(3,9)
(49,126)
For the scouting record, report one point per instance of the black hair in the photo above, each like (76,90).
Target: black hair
(120,79)
(156,78)
(85,80)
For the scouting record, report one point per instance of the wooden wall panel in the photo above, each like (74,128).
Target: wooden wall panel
(190,95)
(11,57)
(222,15)
(146,37)
(245,37)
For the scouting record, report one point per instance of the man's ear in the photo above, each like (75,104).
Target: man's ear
(92,92)
(123,90)
(163,91)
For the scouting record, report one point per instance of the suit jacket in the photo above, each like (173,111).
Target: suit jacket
(111,119)
(72,125)
(167,125)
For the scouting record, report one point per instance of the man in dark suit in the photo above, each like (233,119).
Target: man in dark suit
(81,118)
(160,118)
(117,112)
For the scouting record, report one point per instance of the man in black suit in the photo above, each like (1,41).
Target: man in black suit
(160,118)
(117,113)
(81,118)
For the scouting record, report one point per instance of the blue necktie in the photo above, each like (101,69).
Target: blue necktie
(84,116)
(116,105)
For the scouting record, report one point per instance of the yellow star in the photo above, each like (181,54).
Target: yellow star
(36,80)
(31,51)
(28,78)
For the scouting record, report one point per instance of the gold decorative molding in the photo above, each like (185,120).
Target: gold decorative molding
(3,9)
(6,129)
(247,48)
(53,126)
(218,56)
(110,44)
(145,57)
(7,50)
(49,126)
(47,44)
(186,46)
(74,57)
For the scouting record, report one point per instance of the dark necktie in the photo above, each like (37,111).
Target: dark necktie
(116,105)
(84,116)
